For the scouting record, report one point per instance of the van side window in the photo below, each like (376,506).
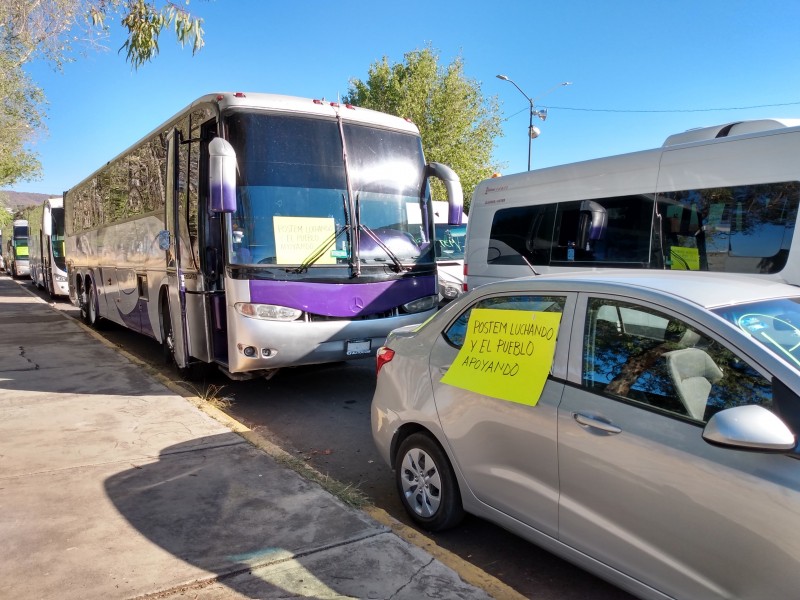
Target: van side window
(614,231)
(741,229)
(737,229)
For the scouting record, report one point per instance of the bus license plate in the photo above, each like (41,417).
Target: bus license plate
(358,347)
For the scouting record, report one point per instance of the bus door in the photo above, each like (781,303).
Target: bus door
(212,256)
(176,281)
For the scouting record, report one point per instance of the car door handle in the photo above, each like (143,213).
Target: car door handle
(596,422)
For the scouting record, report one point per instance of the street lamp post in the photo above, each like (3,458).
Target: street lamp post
(533,132)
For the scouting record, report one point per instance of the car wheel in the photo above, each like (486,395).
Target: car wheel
(426,483)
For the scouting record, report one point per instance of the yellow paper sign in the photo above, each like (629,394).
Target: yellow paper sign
(684,259)
(298,238)
(507,354)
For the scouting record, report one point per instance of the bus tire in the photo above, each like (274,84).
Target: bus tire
(192,372)
(93,318)
(83,303)
(167,334)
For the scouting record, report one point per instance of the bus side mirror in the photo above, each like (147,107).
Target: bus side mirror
(163,240)
(455,195)
(47,225)
(221,177)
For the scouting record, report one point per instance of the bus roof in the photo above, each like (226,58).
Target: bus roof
(280,103)
(294,104)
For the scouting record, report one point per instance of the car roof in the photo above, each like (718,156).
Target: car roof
(709,290)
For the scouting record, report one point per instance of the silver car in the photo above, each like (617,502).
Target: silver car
(642,425)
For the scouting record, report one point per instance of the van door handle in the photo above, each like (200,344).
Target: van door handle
(596,423)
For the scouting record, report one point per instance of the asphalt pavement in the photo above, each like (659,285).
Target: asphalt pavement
(115,485)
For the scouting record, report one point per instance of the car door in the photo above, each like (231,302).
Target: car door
(641,491)
(505,450)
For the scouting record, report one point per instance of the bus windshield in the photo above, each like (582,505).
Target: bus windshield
(293,205)
(57,239)
(21,241)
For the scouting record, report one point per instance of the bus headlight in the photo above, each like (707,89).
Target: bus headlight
(422,304)
(268,312)
(61,278)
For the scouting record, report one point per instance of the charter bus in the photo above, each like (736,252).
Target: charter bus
(257,231)
(16,251)
(721,198)
(48,265)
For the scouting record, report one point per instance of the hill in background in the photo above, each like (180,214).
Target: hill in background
(14,201)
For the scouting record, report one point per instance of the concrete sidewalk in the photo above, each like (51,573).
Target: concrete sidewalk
(112,486)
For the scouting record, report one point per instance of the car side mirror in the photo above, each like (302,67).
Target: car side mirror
(750,427)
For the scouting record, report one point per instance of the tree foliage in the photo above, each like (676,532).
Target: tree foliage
(458,125)
(52,31)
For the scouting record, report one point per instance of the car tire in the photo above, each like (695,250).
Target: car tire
(427,484)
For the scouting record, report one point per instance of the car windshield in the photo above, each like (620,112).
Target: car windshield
(773,323)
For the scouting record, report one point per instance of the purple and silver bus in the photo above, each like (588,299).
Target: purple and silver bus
(257,231)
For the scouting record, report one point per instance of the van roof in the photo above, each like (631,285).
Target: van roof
(729,129)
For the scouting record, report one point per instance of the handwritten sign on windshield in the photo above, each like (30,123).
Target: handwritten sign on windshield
(297,238)
(507,354)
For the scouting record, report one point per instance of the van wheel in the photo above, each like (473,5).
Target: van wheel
(427,484)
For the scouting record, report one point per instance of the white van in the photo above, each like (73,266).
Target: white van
(721,198)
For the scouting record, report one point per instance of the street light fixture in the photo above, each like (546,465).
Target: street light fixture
(533,132)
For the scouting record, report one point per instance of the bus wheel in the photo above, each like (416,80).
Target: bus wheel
(83,303)
(93,317)
(192,372)
(167,335)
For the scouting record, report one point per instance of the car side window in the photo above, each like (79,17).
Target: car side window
(457,332)
(648,357)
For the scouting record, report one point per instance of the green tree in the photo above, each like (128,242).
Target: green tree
(458,125)
(53,30)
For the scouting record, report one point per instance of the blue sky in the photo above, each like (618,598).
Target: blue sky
(640,70)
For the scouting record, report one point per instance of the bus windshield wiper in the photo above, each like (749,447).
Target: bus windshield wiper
(350,209)
(398,266)
(318,252)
